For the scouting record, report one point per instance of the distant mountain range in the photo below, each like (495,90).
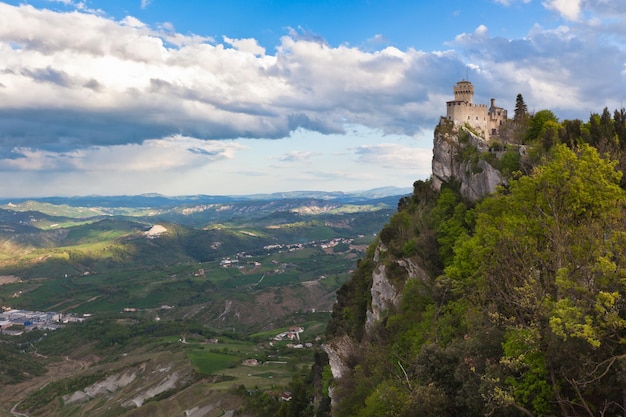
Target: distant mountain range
(161,201)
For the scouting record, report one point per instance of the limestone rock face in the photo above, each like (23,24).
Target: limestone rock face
(384,294)
(339,351)
(476,177)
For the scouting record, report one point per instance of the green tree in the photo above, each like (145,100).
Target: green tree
(619,120)
(607,128)
(547,264)
(571,134)
(521,110)
(603,134)
(550,133)
(536,125)
(449,217)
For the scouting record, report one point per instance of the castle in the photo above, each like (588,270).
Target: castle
(461,110)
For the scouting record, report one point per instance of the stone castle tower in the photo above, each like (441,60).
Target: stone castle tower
(461,110)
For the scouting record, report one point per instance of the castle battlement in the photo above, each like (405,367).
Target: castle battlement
(485,119)
(464,103)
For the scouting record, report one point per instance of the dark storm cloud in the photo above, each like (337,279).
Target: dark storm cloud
(60,130)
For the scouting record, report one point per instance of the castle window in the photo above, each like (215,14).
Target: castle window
(476,117)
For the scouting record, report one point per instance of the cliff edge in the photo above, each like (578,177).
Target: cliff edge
(457,156)
(407,248)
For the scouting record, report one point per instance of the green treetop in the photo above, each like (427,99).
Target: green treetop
(548,264)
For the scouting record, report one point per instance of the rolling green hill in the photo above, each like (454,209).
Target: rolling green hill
(158,282)
(106,262)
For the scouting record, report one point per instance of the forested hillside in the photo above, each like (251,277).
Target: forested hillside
(514,305)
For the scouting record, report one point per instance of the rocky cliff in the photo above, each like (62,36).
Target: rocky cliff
(385,294)
(457,155)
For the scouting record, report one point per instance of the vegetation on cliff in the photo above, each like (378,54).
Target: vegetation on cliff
(524,310)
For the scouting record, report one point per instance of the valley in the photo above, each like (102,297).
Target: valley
(177,303)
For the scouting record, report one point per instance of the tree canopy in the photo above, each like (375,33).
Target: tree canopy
(546,262)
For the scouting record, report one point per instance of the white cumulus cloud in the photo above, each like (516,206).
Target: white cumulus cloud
(124,83)
(246,45)
(569,9)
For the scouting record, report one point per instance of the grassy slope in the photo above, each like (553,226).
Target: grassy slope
(170,368)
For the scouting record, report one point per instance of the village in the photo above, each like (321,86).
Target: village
(325,245)
(15,322)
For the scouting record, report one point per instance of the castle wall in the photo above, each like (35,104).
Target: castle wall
(479,117)
(497,117)
(475,115)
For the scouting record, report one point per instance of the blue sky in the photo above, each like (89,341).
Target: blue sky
(214,97)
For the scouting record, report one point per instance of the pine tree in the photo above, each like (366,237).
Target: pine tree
(521,111)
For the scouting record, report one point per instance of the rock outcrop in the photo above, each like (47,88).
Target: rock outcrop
(339,351)
(459,159)
(384,294)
